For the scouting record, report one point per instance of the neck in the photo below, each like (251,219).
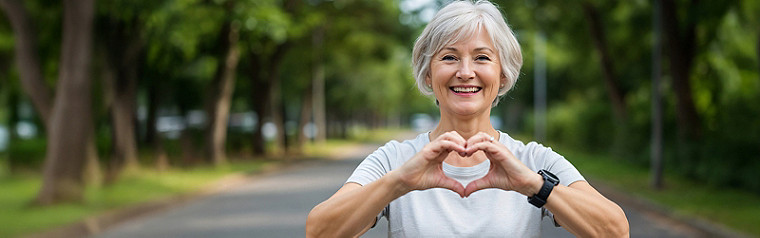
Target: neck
(466,126)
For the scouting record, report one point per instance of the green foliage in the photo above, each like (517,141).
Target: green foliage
(26,154)
(724,81)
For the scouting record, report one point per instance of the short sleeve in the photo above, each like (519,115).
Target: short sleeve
(373,167)
(558,165)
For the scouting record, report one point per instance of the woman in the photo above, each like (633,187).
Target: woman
(464,178)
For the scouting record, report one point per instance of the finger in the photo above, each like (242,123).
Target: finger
(480,137)
(490,148)
(453,185)
(445,146)
(476,185)
(454,137)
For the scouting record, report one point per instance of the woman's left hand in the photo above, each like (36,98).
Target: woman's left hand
(506,172)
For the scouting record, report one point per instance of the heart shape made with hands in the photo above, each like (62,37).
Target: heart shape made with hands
(505,172)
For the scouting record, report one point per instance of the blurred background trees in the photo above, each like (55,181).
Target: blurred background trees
(183,82)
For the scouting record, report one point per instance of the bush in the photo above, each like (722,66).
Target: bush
(586,125)
(26,154)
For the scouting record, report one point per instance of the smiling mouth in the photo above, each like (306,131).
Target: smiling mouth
(469,89)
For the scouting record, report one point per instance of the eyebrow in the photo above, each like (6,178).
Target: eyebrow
(476,49)
(483,49)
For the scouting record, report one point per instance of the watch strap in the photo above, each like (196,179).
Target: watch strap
(550,180)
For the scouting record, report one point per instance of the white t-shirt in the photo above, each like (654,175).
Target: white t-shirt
(440,212)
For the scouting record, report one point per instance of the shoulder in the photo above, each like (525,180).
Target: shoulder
(537,156)
(517,146)
(398,150)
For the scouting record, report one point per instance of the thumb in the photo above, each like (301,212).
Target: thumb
(453,185)
(476,185)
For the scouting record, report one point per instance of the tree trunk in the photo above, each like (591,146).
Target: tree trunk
(260,102)
(221,96)
(276,113)
(124,45)
(152,138)
(680,50)
(154,97)
(120,91)
(27,58)
(306,104)
(69,127)
(656,138)
(124,92)
(33,83)
(600,42)
(275,97)
(318,86)
(92,174)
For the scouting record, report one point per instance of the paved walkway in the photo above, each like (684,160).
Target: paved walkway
(276,206)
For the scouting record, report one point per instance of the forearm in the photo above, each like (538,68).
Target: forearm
(586,213)
(347,214)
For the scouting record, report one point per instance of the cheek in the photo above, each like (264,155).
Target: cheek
(440,73)
(491,75)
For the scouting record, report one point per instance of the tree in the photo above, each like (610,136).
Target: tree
(27,57)
(221,89)
(598,36)
(70,123)
(32,81)
(121,42)
(268,43)
(679,39)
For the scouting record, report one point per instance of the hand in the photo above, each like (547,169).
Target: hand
(506,172)
(424,170)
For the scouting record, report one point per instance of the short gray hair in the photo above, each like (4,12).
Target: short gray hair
(461,20)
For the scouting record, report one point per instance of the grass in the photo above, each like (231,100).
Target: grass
(378,135)
(19,218)
(736,209)
(327,148)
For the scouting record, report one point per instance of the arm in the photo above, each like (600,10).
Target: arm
(352,210)
(585,212)
(579,208)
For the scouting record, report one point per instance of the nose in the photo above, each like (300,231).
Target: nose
(465,71)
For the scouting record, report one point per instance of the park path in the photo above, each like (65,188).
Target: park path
(276,205)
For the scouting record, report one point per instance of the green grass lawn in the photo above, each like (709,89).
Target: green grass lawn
(19,218)
(731,207)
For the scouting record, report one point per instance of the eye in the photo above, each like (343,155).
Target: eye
(482,58)
(448,58)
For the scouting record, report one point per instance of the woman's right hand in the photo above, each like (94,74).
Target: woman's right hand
(424,170)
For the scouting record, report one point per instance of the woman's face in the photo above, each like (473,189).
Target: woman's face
(466,76)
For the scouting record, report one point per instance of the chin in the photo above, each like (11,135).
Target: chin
(467,109)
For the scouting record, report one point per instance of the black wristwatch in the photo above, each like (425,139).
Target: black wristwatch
(550,180)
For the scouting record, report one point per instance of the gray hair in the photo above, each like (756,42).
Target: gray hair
(459,21)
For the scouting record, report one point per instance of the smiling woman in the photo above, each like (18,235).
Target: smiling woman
(459,23)
(464,178)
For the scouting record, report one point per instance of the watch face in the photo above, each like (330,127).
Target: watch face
(549,176)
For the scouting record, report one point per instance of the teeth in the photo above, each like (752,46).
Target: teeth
(465,89)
